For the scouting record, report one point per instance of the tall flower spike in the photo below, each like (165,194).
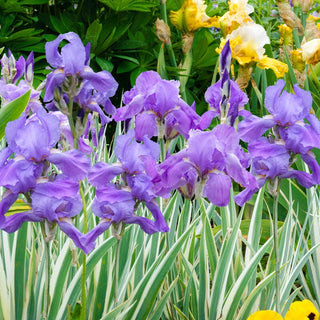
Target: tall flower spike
(225,59)
(226,100)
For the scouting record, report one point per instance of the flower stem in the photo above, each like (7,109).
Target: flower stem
(84,258)
(184,75)
(71,123)
(47,257)
(276,250)
(163,11)
(116,274)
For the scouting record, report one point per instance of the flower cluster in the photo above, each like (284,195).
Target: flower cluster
(26,171)
(207,166)
(117,200)
(274,156)
(157,108)
(46,176)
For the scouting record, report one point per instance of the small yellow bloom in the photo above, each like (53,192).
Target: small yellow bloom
(302,310)
(237,15)
(297,61)
(286,35)
(192,16)
(311,51)
(265,315)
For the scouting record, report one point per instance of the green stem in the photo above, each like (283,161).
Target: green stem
(47,257)
(276,248)
(163,11)
(187,63)
(296,39)
(71,123)
(84,258)
(162,149)
(116,274)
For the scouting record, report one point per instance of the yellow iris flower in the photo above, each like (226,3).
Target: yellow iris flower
(237,15)
(247,47)
(299,310)
(297,61)
(192,16)
(311,51)
(286,35)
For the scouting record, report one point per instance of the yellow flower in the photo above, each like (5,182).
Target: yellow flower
(278,67)
(265,315)
(247,47)
(297,60)
(237,15)
(311,51)
(192,16)
(247,43)
(302,310)
(299,310)
(286,35)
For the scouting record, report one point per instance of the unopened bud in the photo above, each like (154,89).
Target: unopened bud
(163,31)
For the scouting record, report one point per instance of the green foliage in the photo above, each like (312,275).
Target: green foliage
(127,5)
(12,111)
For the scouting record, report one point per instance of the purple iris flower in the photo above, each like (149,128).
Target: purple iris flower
(25,172)
(207,166)
(55,202)
(12,86)
(32,142)
(73,76)
(158,110)
(271,161)
(237,100)
(118,201)
(292,124)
